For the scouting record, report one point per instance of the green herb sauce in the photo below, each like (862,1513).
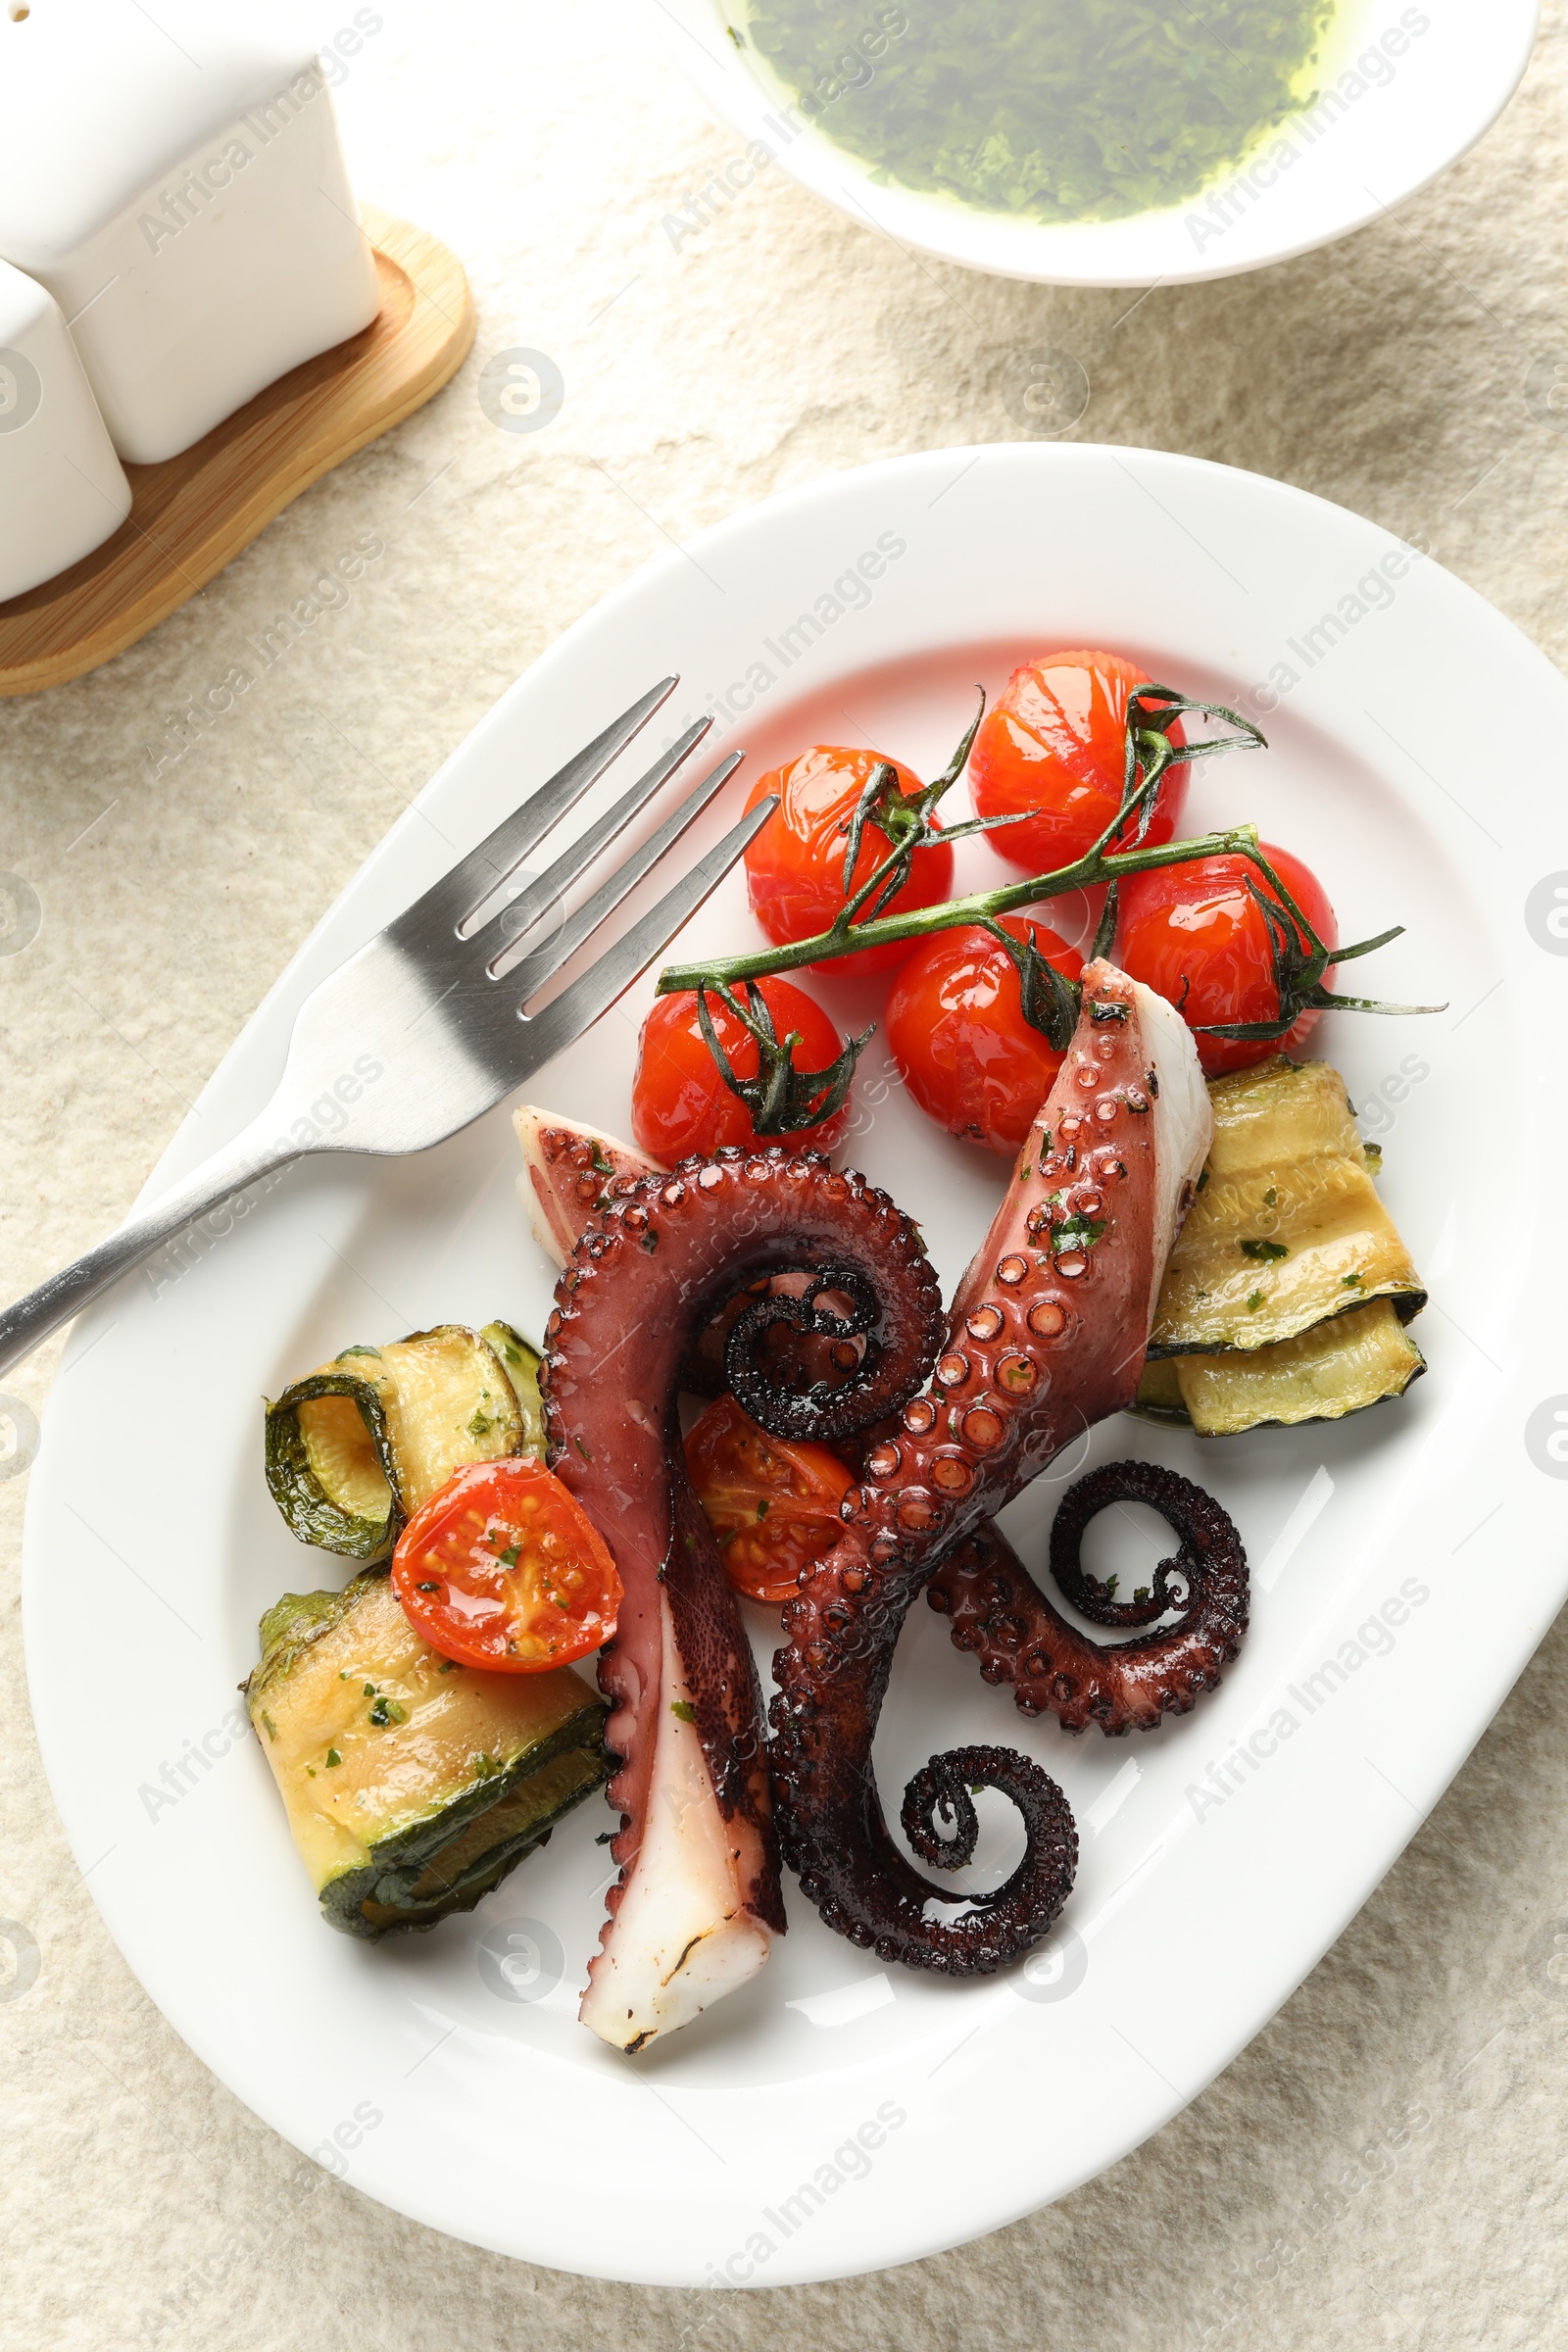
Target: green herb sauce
(1066,110)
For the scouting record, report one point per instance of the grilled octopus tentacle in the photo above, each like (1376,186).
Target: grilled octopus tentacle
(1002,1618)
(1046,1335)
(697,1898)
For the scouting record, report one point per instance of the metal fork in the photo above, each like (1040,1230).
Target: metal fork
(416,1035)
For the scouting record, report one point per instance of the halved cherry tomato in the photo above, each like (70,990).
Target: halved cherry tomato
(955,1025)
(794,868)
(679,1100)
(1196,936)
(772,1503)
(504,1568)
(1054,743)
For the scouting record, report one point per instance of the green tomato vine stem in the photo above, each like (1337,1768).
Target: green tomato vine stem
(907,823)
(981,906)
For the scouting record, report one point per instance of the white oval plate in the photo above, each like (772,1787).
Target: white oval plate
(836,2116)
(1405,91)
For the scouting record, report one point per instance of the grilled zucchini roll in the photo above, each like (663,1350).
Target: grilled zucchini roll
(357,1445)
(1288,1289)
(1286,1229)
(412,1786)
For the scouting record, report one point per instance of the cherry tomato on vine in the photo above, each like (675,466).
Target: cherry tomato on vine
(955,1025)
(1054,743)
(504,1568)
(1195,935)
(794,868)
(679,1100)
(772,1503)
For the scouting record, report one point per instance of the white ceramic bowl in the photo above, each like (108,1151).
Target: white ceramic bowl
(1411,88)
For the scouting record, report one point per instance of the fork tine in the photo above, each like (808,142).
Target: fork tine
(535,969)
(579,1007)
(553,884)
(476,876)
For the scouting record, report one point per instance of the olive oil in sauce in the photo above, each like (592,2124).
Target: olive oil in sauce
(1062,110)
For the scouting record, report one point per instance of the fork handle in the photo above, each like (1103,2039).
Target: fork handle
(254,1152)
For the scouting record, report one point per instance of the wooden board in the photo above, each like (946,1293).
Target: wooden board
(192,514)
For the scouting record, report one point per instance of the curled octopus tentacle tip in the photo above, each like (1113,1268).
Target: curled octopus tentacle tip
(999,1615)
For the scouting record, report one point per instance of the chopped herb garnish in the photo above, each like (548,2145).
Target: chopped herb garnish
(1253,1302)
(762,1507)
(369,1690)
(684,1709)
(1270,1197)
(386,1710)
(650,1240)
(428,1587)
(1350,1282)
(480,1424)
(509,1558)
(582,1449)
(332,1757)
(1101,1008)
(1266,1251)
(1202,1180)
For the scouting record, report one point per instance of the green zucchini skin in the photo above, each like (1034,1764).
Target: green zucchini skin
(304,1504)
(461,1816)
(288,1628)
(520,1363)
(383,1897)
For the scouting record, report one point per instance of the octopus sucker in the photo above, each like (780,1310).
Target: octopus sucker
(697,1898)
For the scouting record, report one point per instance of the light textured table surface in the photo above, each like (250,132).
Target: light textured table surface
(1386,2161)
